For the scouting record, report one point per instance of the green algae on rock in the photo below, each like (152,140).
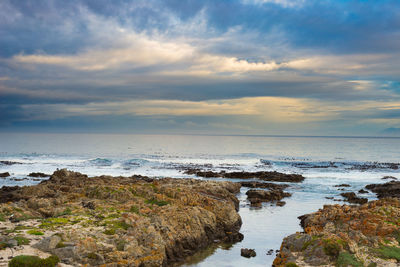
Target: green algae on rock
(124,221)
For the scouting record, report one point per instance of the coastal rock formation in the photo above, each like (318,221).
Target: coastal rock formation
(366,235)
(351,197)
(4,174)
(118,221)
(38,174)
(262,175)
(342,185)
(257,196)
(389,189)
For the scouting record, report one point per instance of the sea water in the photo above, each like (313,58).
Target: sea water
(324,161)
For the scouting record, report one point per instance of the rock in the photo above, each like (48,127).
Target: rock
(344,233)
(256,196)
(375,165)
(131,221)
(88,204)
(351,197)
(362,191)
(342,185)
(67,254)
(248,253)
(48,244)
(389,177)
(280,203)
(262,175)
(255,203)
(95,259)
(389,189)
(38,174)
(4,174)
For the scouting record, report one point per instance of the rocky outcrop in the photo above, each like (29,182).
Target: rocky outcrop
(120,221)
(38,174)
(366,235)
(362,191)
(342,185)
(351,197)
(389,189)
(262,175)
(247,252)
(4,174)
(257,196)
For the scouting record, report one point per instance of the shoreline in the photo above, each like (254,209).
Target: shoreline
(119,220)
(73,202)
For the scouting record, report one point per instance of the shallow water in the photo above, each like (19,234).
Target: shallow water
(324,162)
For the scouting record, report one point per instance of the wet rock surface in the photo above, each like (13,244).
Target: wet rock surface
(5,174)
(119,221)
(351,197)
(262,175)
(362,191)
(38,174)
(247,252)
(366,235)
(389,189)
(342,185)
(257,196)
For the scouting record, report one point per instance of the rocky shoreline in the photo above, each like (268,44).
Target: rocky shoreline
(342,235)
(117,221)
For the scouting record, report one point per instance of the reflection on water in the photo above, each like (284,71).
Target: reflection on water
(207,252)
(265,228)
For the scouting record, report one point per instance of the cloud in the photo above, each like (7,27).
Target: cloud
(284,3)
(248,63)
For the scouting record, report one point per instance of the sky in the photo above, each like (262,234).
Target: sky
(268,67)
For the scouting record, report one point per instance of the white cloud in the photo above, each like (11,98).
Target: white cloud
(285,3)
(268,108)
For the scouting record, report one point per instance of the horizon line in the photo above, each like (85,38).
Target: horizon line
(215,134)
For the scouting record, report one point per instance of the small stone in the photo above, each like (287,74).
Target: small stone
(48,244)
(88,204)
(248,253)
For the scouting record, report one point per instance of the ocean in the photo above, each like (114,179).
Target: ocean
(324,161)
